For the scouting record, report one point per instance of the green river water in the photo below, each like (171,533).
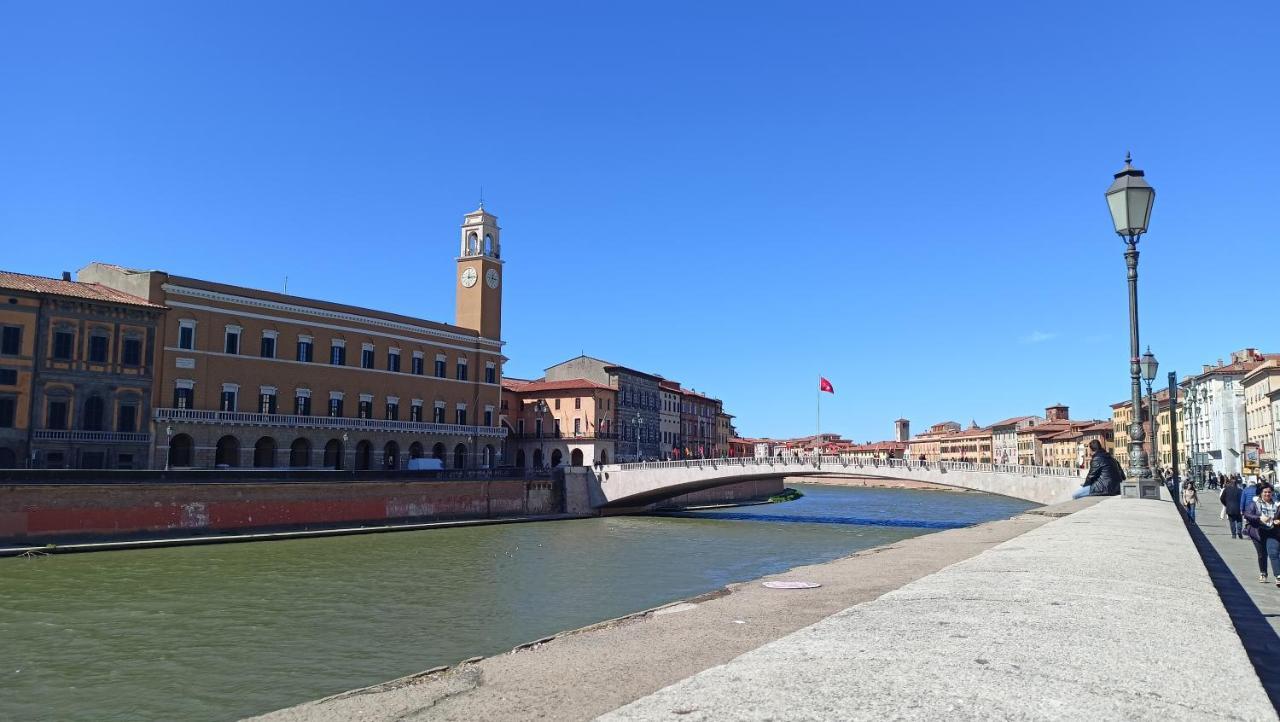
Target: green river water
(220,632)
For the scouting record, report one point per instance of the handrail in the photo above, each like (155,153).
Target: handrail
(791,461)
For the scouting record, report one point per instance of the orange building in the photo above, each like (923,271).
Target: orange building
(76,368)
(246,377)
(552,423)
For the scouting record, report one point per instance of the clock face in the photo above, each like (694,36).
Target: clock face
(469,277)
(491,278)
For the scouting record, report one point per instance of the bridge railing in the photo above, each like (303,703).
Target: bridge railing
(817,462)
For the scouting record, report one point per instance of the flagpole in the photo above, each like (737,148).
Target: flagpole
(818,438)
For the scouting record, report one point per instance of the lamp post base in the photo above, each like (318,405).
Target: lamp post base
(1140,489)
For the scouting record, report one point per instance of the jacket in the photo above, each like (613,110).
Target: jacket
(1253,515)
(1230,498)
(1104,475)
(1247,495)
(1189,496)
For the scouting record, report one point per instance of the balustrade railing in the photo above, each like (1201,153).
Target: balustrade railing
(94,437)
(198,416)
(817,462)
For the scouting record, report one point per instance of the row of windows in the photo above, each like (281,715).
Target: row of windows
(267,403)
(305,352)
(647,400)
(602,425)
(64,342)
(93,415)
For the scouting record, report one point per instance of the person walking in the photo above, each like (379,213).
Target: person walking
(1190,499)
(1230,498)
(1104,475)
(1261,515)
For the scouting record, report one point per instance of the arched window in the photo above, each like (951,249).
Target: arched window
(488,457)
(364,455)
(437,452)
(460,456)
(94,411)
(228,452)
(520,458)
(333,454)
(264,453)
(415,450)
(537,458)
(300,453)
(604,456)
(180,450)
(473,244)
(575,458)
(556,457)
(488,245)
(391,456)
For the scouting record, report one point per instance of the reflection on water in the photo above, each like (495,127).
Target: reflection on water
(218,632)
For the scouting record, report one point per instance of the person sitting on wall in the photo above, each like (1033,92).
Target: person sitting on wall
(1104,475)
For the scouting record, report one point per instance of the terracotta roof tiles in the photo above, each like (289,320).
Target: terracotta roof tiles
(70,289)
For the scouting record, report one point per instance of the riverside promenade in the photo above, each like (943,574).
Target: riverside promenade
(1098,608)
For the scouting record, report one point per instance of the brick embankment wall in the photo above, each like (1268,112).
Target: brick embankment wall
(60,514)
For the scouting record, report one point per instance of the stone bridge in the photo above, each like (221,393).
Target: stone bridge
(636,484)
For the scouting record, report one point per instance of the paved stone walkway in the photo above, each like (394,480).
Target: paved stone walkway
(1254,606)
(1105,614)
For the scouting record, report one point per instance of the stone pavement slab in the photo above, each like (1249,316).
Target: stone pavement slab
(1108,613)
(1254,606)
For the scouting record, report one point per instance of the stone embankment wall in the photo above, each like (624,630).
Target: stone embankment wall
(66,513)
(741,492)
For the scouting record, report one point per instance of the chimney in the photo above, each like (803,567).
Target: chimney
(66,275)
(1204,368)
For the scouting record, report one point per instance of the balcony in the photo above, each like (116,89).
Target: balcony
(91,437)
(238,418)
(566,435)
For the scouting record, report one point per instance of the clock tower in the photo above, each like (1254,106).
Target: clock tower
(480,276)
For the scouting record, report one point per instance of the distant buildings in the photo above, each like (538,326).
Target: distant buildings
(1215,422)
(647,416)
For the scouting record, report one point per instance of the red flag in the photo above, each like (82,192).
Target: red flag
(825,385)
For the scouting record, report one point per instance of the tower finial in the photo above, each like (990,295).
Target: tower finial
(1128,158)
(481,197)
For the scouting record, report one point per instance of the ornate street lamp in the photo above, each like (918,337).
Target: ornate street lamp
(1149,367)
(1130,199)
(168,452)
(539,409)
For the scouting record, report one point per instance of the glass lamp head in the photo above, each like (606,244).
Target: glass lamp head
(1130,199)
(1149,366)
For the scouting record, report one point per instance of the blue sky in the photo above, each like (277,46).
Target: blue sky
(905,198)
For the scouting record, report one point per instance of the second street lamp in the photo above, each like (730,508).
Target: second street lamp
(1149,367)
(1129,199)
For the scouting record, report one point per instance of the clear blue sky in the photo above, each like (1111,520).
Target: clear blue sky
(904,197)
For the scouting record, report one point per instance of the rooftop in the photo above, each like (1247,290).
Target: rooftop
(70,289)
(525,387)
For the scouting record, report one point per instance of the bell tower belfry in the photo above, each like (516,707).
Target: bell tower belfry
(480,275)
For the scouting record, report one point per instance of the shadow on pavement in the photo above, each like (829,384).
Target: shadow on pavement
(1259,639)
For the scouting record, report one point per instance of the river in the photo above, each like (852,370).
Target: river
(219,632)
